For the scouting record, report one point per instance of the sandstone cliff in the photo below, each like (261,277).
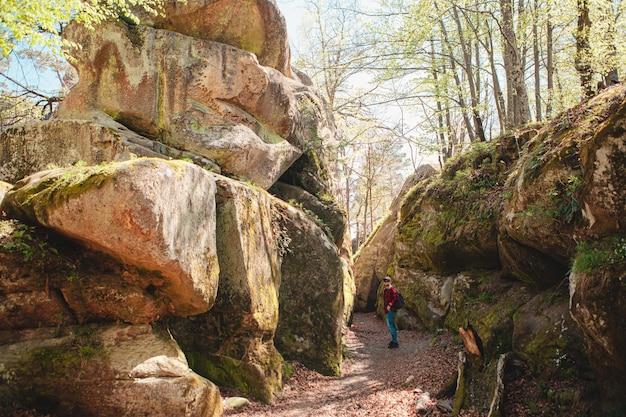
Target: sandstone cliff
(142,261)
(523,238)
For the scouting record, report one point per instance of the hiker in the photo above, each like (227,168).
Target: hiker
(389,297)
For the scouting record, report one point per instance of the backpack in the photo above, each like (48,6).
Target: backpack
(399,301)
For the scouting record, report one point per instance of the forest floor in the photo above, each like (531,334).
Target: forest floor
(375,380)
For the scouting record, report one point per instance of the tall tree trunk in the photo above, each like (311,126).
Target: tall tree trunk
(467,66)
(441,135)
(359,236)
(497,90)
(368,190)
(348,189)
(536,60)
(487,43)
(582,59)
(518,109)
(457,81)
(479,86)
(549,61)
(520,32)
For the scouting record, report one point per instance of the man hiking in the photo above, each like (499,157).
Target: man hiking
(389,297)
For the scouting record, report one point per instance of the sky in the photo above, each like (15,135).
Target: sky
(293,10)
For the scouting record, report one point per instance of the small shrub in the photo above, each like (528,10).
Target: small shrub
(608,253)
(22,242)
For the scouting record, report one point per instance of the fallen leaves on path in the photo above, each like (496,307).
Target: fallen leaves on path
(375,381)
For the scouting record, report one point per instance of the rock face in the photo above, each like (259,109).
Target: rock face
(124,368)
(125,252)
(312,274)
(252,25)
(247,306)
(494,239)
(167,206)
(252,120)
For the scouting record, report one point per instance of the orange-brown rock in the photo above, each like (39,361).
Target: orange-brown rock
(153,214)
(255,26)
(201,96)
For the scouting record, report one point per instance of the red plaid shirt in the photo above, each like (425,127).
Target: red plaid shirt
(390,296)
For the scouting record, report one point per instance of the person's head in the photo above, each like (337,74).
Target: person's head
(387,281)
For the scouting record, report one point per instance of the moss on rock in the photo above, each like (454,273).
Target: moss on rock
(449,223)
(262,381)
(46,378)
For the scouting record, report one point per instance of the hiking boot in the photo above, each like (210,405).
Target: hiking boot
(393,345)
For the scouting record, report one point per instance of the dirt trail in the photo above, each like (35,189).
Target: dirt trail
(375,380)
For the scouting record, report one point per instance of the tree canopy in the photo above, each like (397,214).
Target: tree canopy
(446,73)
(41,22)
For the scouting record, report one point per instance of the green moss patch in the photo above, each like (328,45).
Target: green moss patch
(47,378)
(607,253)
(262,381)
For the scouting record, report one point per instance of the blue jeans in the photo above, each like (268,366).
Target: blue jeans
(391,325)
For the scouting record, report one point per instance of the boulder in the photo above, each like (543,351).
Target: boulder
(449,223)
(306,184)
(313,275)
(39,146)
(102,370)
(326,209)
(156,215)
(250,119)
(597,305)
(564,189)
(255,26)
(233,344)
(427,296)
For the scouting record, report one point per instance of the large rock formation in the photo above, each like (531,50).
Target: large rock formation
(494,240)
(109,247)
(100,370)
(167,206)
(210,100)
(252,120)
